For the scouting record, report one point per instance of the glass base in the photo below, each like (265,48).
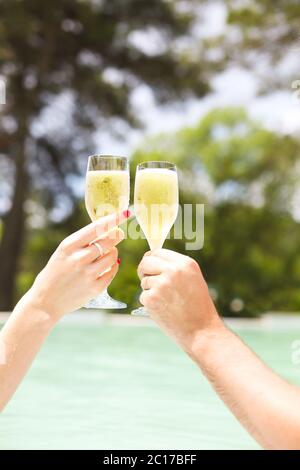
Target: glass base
(105,301)
(140,312)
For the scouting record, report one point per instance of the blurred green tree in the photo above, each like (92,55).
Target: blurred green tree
(263,37)
(247,177)
(73,64)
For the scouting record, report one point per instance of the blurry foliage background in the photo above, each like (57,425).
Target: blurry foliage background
(87,56)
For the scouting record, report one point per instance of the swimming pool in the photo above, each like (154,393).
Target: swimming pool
(104,384)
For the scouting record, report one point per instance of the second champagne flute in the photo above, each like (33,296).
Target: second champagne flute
(107,192)
(155,204)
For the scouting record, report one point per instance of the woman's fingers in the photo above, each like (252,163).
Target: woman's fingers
(101,265)
(106,243)
(106,278)
(106,224)
(94,231)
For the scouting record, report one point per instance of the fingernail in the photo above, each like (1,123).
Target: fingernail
(118,261)
(126,214)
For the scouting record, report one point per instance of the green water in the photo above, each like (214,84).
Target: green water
(97,386)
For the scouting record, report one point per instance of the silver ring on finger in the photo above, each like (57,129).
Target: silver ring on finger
(99,248)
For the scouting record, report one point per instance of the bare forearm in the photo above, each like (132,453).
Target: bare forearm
(265,404)
(20,339)
(74,274)
(178,299)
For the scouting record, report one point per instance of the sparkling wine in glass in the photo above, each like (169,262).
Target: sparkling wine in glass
(106,192)
(155,204)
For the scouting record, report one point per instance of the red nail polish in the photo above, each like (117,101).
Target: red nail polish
(118,261)
(127,214)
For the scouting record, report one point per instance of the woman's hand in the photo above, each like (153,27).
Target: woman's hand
(176,295)
(75,273)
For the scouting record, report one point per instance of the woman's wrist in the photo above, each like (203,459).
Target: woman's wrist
(35,312)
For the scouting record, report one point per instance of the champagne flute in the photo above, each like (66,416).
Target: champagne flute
(107,192)
(155,204)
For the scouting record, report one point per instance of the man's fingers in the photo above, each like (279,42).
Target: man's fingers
(95,230)
(167,255)
(144,297)
(150,300)
(151,265)
(106,278)
(148,282)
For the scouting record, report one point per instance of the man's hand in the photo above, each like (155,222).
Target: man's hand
(176,296)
